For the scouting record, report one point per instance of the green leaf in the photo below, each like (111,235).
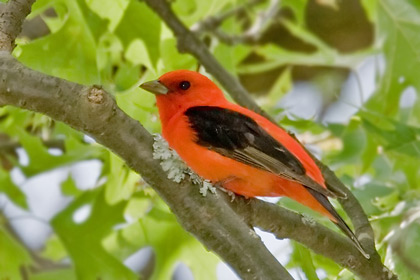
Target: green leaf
(302,125)
(281,86)
(276,57)
(354,142)
(127,75)
(122,181)
(400,138)
(139,22)
(83,241)
(54,249)
(308,37)
(371,9)
(191,11)
(298,7)
(137,54)
(70,51)
(399,22)
(301,257)
(62,274)
(171,244)
(112,11)
(172,59)
(14,258)
(405,248)
(68,187)
(40,160)
(11,190)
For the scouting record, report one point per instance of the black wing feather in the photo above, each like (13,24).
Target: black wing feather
(237,136)
(231,133)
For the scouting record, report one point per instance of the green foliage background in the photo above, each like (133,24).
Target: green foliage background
(121,43)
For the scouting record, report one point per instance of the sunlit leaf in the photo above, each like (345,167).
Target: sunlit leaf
(171,244)
(70,51)
(82,239)
(399,22)
(302,258)
(62,274)
(121,182)
(139,22)
(11,190)
(14,258)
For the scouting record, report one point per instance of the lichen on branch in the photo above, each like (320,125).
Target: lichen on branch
(175,167)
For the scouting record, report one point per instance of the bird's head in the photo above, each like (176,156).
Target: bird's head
(179,90)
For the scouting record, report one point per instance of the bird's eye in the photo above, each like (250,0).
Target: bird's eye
(184,85)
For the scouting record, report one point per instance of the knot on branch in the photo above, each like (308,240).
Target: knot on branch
(96,95)
(98,107)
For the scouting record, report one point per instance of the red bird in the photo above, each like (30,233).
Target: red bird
(237,148)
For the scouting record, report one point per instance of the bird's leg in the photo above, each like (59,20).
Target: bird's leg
(220,184)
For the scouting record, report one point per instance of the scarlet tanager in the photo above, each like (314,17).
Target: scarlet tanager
(236,148)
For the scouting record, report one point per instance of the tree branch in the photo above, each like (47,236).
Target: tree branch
(40,263)
(188,42)
(12,15)
(250,36)
(211,219)
(9,147)
(287,224)
(213,22)
(94,112)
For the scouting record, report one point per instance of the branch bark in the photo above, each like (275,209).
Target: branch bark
(213,22)
(211,219)
(188,42)
(12,15)
(250,36)
(94,112)
(221,225)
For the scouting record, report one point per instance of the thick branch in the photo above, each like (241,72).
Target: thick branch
(94,112)
(210,218)
(188,42)
(12,15)
(287,224)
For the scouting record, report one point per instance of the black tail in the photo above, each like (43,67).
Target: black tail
(340,222)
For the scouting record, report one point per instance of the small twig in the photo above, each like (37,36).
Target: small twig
(188,42)
(10,146)
(12,15)
(41,264)
(250,36)
(213,22)
(287,224)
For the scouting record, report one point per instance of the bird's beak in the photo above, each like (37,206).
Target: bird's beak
(155,87)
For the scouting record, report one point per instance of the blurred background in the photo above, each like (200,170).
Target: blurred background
(342,75)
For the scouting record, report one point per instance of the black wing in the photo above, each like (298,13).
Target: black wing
(237,136)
